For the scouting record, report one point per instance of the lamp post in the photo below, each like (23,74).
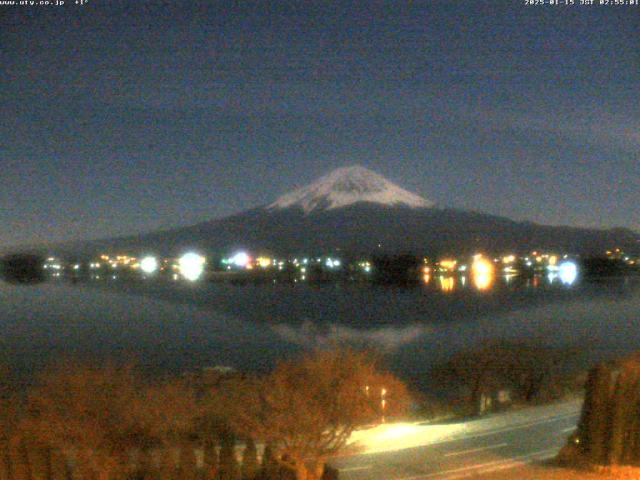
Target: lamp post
(383,401)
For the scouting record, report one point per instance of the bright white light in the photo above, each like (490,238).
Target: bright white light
(240,259)
(191,266)
(331,263)
(568,272)
(149,265)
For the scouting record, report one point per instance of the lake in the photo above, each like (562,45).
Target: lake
(172,327)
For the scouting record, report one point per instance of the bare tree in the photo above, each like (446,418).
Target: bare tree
(83,413)
(249,461)
(479,371)
(307,409)
(529,369)
(164,415)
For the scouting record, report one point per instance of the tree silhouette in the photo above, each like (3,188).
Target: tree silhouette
(308,408)
(250,461)
(83,410)
(228,464)
(22,268)
(270,468)
(609,427)
(99,416)
(530,369)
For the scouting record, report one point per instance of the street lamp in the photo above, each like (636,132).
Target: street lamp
(383,401)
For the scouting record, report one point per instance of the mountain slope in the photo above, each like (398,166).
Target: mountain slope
(353,210)
(365,229)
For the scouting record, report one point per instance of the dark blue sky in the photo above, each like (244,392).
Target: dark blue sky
(127,116)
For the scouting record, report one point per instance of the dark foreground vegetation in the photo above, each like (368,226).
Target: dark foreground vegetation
(110,423)
(609,430)
(83,422)
(501,373)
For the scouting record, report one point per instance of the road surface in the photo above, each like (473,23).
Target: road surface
(460,450)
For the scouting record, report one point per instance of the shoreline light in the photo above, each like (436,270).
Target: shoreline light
(263,262)
(483,273)
(149,265)
(568,272)
(240,259)
(191,266)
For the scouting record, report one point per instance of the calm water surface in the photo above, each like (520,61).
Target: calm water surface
(175,327)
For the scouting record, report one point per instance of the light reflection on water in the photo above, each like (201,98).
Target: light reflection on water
(447,284)
(174,326)
(484,277)
(487,280)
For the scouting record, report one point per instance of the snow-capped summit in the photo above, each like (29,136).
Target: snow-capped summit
(346,186)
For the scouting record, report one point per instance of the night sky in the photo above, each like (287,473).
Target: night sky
(120,117)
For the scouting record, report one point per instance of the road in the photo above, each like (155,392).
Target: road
(460,450)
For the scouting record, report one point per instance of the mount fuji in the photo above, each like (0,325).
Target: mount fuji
(348,186)
(353,210)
